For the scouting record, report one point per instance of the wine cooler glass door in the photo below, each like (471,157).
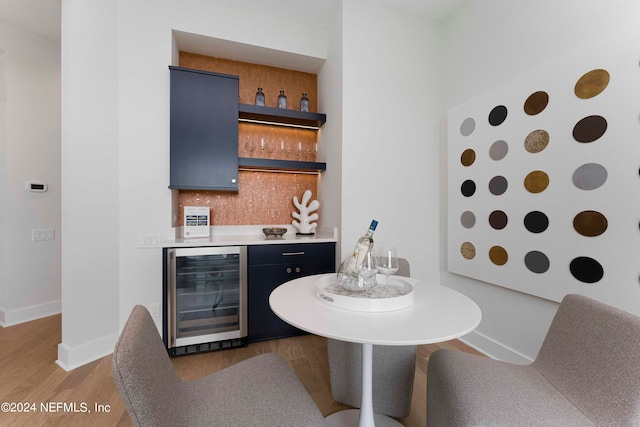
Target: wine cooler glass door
(209,295)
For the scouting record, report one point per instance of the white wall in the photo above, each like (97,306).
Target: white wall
(29,150)
(487,43)
(115,149)
(392,68)
(116,137)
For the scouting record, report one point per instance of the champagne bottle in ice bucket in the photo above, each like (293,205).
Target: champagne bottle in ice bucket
(349,272)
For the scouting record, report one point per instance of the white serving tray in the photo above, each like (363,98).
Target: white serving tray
(399,295)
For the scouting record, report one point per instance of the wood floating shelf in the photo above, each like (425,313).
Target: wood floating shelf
(280,116)
(251,163)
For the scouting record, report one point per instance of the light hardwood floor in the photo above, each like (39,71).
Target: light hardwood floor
(30,377)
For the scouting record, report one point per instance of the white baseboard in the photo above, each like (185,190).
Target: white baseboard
(494,349)
(26,314)
(71,358)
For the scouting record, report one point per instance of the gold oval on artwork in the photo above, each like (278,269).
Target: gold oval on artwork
(498,255)
(468,157)
(536,182)
(536,141)
(590,223)
(467,250)
(592,84)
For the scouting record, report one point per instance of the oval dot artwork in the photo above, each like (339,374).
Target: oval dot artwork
(467,127)
(586,269)
(498,255)
(589,129)
(536,141)
(536,181)
(536,221)
(498,220)
(467,250)
(543,177)
(590,176)
(536,103)
(537,262)
(468,219)
(592,84)
(498,185)
(498,115)
(498,150)
(468,188)
(590,223)
(468,157)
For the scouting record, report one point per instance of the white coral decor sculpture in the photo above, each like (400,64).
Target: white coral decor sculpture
(304,225)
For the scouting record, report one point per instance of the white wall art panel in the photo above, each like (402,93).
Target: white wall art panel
(543,178)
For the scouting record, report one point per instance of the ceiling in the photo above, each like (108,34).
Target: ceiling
(43,16)
(40,16)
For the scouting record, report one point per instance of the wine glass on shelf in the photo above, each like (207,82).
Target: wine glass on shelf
(387,262)
(263,146)
(300,149)
(307,150)
(270,147)
(249,146)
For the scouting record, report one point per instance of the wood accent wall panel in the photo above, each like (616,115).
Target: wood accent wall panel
(253,76)
(264,198)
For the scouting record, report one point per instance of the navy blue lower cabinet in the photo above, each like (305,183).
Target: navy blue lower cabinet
(269,266)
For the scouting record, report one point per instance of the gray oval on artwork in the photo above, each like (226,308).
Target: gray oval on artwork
(498,150)
(590,176)
(467,127)
(498,185)
(536,262)
(468,219)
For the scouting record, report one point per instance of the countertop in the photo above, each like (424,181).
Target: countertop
(244,235)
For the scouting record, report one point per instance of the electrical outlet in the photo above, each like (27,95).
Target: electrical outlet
(154,309)
(149,240)
(39,234)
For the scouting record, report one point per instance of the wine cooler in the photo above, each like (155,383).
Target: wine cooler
(205,299)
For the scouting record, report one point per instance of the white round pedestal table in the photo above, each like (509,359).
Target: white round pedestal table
(437,314)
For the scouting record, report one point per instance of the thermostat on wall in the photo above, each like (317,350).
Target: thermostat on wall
(38,187)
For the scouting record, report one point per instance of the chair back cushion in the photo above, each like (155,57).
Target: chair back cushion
(591,354)
(144,374)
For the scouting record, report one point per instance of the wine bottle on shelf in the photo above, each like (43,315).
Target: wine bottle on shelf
(282,100)
(364,246)
(260,97)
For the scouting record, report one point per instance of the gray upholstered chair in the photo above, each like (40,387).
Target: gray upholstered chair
(393,372)
(586,373)
(261,391)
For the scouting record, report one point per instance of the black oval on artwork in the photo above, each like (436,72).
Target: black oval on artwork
(586,269)
(589,129)
(498,115)
(536,221)
(468,188)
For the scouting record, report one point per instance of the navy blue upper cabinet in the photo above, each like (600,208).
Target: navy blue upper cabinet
(204,130)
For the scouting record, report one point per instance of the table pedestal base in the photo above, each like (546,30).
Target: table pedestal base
(349,418)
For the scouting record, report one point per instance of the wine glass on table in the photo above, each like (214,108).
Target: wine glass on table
(387,263)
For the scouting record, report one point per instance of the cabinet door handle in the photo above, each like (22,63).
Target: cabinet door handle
(288,269)
(292,253)
(297,269)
